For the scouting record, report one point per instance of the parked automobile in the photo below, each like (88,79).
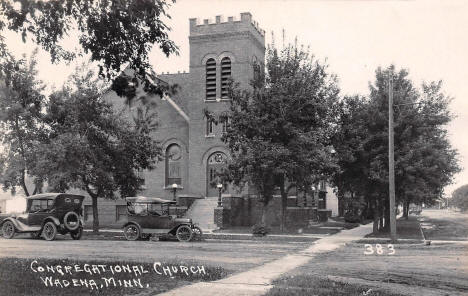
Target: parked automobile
(355,211)
(149,216)
(46,215)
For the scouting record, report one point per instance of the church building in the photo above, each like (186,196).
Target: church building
(191,144)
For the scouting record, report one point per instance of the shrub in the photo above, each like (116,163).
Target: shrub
(260,229)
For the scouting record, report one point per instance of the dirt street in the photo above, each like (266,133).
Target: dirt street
(444,225)
(232,255)
(441,267)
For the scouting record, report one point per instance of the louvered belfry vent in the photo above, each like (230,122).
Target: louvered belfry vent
(225,76)
(211,79)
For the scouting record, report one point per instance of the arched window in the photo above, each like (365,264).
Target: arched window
(211,79)
(173,165)
(225,76)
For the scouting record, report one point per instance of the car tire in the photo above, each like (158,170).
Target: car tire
(197,233)
(8,230)
(77,234)
(68,224)
(132,232)
(184,233)
(49,231)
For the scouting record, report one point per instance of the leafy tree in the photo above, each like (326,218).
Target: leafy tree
(460,198)
(90,147)
(424,159)
(21,102)
(117,33)
(348,142)
(279,132)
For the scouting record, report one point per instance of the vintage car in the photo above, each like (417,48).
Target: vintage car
(46,214)
(149,216)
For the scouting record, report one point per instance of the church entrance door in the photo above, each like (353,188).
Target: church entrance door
(216,164)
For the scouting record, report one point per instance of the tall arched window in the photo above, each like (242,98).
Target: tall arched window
(225,76)
(173,165)
(211,79)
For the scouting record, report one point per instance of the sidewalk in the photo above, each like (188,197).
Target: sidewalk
(257,281)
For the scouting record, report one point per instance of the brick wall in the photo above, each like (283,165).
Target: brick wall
(245,211)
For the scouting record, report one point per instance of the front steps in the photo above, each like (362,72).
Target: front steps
(202,213)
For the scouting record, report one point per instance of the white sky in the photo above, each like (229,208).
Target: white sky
(428,38)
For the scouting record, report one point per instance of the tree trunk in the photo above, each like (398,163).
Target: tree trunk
(375,210)
(95,214)
(264,213)
(284,201)
(381,216)
(405,209)
(23,182)
(341,207)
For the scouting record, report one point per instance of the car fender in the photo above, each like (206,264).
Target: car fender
(174,229)
(15,222)
(51,218)
(132,222)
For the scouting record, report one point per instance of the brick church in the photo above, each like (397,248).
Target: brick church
(192,146)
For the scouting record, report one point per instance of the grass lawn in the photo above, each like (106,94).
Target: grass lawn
(330,227)
(406,229)
(25,277)
(305,285)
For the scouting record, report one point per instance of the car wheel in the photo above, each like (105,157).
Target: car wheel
(184,233)
(76,235)
(132,232)
(197,233)
(49,232)
(8,230)
(35,235)
(71,220)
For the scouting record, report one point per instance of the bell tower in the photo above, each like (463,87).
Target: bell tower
(219,51)
(224,49)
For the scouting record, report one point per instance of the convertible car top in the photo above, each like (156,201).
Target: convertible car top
(149,200)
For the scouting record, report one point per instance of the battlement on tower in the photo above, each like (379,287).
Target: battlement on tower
(220,26)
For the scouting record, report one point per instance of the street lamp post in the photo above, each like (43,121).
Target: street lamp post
(220,188)
(174,191)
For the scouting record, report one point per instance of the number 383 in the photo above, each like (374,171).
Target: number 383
(378,249)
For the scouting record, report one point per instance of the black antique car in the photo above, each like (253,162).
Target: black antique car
(149,216)
(46,214)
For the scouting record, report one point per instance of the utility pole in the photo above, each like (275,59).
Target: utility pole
(391,161)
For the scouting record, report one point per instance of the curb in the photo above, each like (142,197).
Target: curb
(290,238)
(228,236)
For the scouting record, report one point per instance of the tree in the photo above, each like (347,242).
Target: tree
(348,143)
(279,131)
(425,162)
(116,33)
(21,128)
(460,198)
(90,147)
